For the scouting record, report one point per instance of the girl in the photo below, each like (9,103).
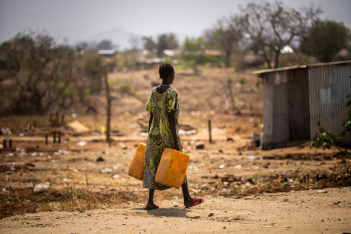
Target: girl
(163,106)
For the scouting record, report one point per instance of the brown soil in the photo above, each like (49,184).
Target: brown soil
(297,189)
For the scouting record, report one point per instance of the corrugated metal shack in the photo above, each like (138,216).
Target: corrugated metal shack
(286,117)
(329,84)
(294,98)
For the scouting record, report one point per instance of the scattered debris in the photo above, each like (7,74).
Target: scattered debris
(251,158)
(40,188)
(63,152)
(230,139)
(106,170)
(5,131)
(82,143)
(100,159)
(77,126)
(123,146)
(192,215)
(200,145)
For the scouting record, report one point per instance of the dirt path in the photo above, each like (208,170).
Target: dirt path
(299,212)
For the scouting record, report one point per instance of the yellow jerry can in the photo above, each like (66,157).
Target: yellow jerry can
(172,168)
(136,168)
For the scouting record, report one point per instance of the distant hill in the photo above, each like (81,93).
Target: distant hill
(118,36)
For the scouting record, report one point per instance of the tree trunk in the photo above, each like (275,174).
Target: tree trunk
(276,59)
(108,99)
(268,61)
(227,59)
(231,96)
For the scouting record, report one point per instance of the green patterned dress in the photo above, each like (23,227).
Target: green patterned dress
(160,135)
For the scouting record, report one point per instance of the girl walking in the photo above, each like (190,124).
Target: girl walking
(163,106)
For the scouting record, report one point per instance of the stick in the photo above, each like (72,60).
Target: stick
(108,107)
(209,130)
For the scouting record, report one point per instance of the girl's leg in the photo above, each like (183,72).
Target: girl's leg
(187,199)
(151,198)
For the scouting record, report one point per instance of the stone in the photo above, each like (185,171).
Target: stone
(210,214)
(200,145)
(192,215)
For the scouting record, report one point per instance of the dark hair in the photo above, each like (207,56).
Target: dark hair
(165,70)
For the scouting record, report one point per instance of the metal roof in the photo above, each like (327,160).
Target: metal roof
(299,66)
(278,69)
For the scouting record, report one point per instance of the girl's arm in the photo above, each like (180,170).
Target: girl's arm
(172,122)
(150,121)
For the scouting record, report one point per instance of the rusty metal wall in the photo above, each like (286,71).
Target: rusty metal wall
(268,90)
(286,108)
(299,108)
(329,84)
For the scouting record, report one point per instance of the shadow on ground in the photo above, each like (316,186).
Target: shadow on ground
(168,212)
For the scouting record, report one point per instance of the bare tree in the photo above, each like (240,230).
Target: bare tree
(273,26)
(149,44)
(224,89)
(39,72)
(134,41)
(225,35)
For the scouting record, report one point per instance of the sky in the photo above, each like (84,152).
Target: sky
(92,20)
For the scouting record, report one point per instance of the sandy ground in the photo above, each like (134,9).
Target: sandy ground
(296,211)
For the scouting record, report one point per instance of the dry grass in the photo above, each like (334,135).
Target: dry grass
(69,196)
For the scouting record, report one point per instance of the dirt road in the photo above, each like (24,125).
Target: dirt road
(312,211)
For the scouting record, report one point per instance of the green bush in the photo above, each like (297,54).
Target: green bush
(126,86)
(242,81)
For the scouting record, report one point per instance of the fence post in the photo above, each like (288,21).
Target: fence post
(209,130)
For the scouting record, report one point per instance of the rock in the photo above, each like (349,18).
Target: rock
(322,191)
(210,214)
(100,159)
(192,215)
(115,176)
(40,188)
(200,145)
(220,151)
(286,226)
(224,227)
(230,139)
(123,146)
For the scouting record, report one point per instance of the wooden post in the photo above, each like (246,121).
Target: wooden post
(209,130)
(10,143)
(59,137)
(54,137)
(4,144)
(108,99)
(46,138)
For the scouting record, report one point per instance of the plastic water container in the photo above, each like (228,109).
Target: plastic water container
(136,168)
(172,168)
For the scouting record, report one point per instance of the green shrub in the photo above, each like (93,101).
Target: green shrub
(242,81)
(126,86)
